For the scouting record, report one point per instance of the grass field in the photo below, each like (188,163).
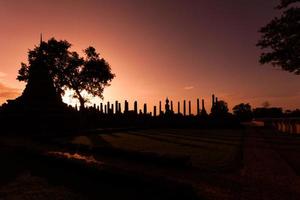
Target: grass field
(287,146)
(222,164)
(207,149)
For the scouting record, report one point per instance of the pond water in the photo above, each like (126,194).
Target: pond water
(287,126)
(76,156)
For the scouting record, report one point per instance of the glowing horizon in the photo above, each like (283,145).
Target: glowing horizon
(157,49)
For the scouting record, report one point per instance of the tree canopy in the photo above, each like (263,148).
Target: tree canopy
(219,109)
(280,40)
(243,111)
(69,70)
(286,3)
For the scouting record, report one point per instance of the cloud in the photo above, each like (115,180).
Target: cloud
(189,87)
(2,74)
(7,92)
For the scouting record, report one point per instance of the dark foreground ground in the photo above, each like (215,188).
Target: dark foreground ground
(248,163)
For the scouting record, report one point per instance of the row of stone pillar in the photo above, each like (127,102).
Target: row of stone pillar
(109,108)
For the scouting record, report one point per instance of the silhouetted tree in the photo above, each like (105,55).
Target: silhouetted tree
(292,113)
(69,70)
(267,112)
(243,112)
(286,3)
(281,39)
(266,104)
(220,109)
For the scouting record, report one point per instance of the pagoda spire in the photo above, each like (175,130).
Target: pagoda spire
(41,38)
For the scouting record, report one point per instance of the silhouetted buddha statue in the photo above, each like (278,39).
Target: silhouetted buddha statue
(167,107)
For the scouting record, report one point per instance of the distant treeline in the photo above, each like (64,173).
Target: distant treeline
(275,112)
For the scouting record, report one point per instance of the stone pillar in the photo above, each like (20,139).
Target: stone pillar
(154,111)
(172,107)
(101,107)
(190,108)
(126,107)
(145,108)
(135,107)
(178,107)
(160,111)
(203,111)
(198,107)
(120,110)
(184,108)
(117,107)
(105,109)
(213,100)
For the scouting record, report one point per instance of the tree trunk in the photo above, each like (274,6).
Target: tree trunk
(81,99)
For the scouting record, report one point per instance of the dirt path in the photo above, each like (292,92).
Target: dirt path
(265,174)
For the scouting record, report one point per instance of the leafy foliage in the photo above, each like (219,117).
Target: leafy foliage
(220,109)
(281,39)
(272,112)
(243,111)
(69,70)
(286,3)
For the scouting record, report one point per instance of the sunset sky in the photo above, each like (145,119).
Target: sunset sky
(181,49)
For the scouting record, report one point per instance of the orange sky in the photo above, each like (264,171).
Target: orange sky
(156,48)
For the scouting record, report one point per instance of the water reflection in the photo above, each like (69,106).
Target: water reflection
(287,126)
(76,156)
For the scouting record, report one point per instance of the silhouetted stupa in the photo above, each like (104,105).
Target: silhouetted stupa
(40,94)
